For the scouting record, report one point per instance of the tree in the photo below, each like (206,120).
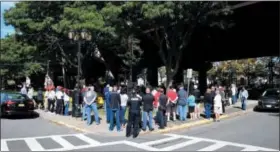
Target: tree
(17,59)
(174,24)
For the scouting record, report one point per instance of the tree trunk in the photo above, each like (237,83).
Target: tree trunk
(169,77)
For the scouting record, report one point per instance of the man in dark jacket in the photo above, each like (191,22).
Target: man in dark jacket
(134,103)
(115,103)
(148,99)
(162,119)
(208,103)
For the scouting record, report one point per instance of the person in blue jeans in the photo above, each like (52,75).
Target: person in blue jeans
(148,99)
(244,96)
(208,103)
(182,103)
(66,99)
(90,105)
(107,105)
(115,103)
(124,98)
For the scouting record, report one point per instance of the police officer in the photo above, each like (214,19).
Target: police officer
(134,103)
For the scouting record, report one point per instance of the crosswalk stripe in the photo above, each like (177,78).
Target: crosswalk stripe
(33,144)
(4,146)
(180,145)
(87,139)
(250,149)
(64,143)
(159,141)
(213,147)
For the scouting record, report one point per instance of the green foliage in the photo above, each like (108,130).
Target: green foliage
(17,59)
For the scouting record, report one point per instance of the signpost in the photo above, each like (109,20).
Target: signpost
(189,76)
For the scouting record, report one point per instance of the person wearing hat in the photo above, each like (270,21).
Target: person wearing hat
(134,116)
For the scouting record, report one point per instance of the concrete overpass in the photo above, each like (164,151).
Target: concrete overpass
(255,34)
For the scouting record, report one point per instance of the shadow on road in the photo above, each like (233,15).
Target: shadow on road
(266,110)
(34,115)
(275,114)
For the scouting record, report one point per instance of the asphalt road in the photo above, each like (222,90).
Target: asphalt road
(254,131)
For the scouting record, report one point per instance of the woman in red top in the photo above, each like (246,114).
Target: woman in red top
(171,104)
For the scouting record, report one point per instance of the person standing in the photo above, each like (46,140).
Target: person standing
(124,98)
(192,105)
(218,106)
(234,94)
(90,101)
(59,101)
(51,100)
(244,96)
(162,120)
(171,103)
(23,90)
(148,99)
(40,99)
(105,90)
(197,94)
(208,103)
(134,116)
(107,100)
(66,99)
(182,103)
(115,103)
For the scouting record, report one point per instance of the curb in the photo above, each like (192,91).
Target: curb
(198,123)
(169,129)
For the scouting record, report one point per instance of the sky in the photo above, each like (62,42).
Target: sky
(6,29)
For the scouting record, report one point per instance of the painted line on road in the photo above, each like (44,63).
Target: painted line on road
(200,122)
(4,145)
(223,142)
(37,137)
(250,149)
(180,145)
(64,143)
(87,139)
(213,147)
(87,146)
(33,144)
(149,143)
(141,146)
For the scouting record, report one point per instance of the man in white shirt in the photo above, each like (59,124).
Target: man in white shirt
(51,100)
(66,99)
(59,101)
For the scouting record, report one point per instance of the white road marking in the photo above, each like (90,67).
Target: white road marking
(33,144)
(37,137)
(250,149)
(64,143)
(141,146)
(4,146)
(149,143)
(87,139)
(213,147)
(180,145)
(224,142)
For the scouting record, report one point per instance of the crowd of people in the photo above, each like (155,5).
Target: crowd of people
(141,107)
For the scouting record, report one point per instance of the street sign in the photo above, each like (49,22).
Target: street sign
(189,73)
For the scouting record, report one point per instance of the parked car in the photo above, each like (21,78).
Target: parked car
(13,103)
(270,99)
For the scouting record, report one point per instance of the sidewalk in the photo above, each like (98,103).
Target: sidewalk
(103,128)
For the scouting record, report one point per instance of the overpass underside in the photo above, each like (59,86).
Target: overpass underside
(255,34)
